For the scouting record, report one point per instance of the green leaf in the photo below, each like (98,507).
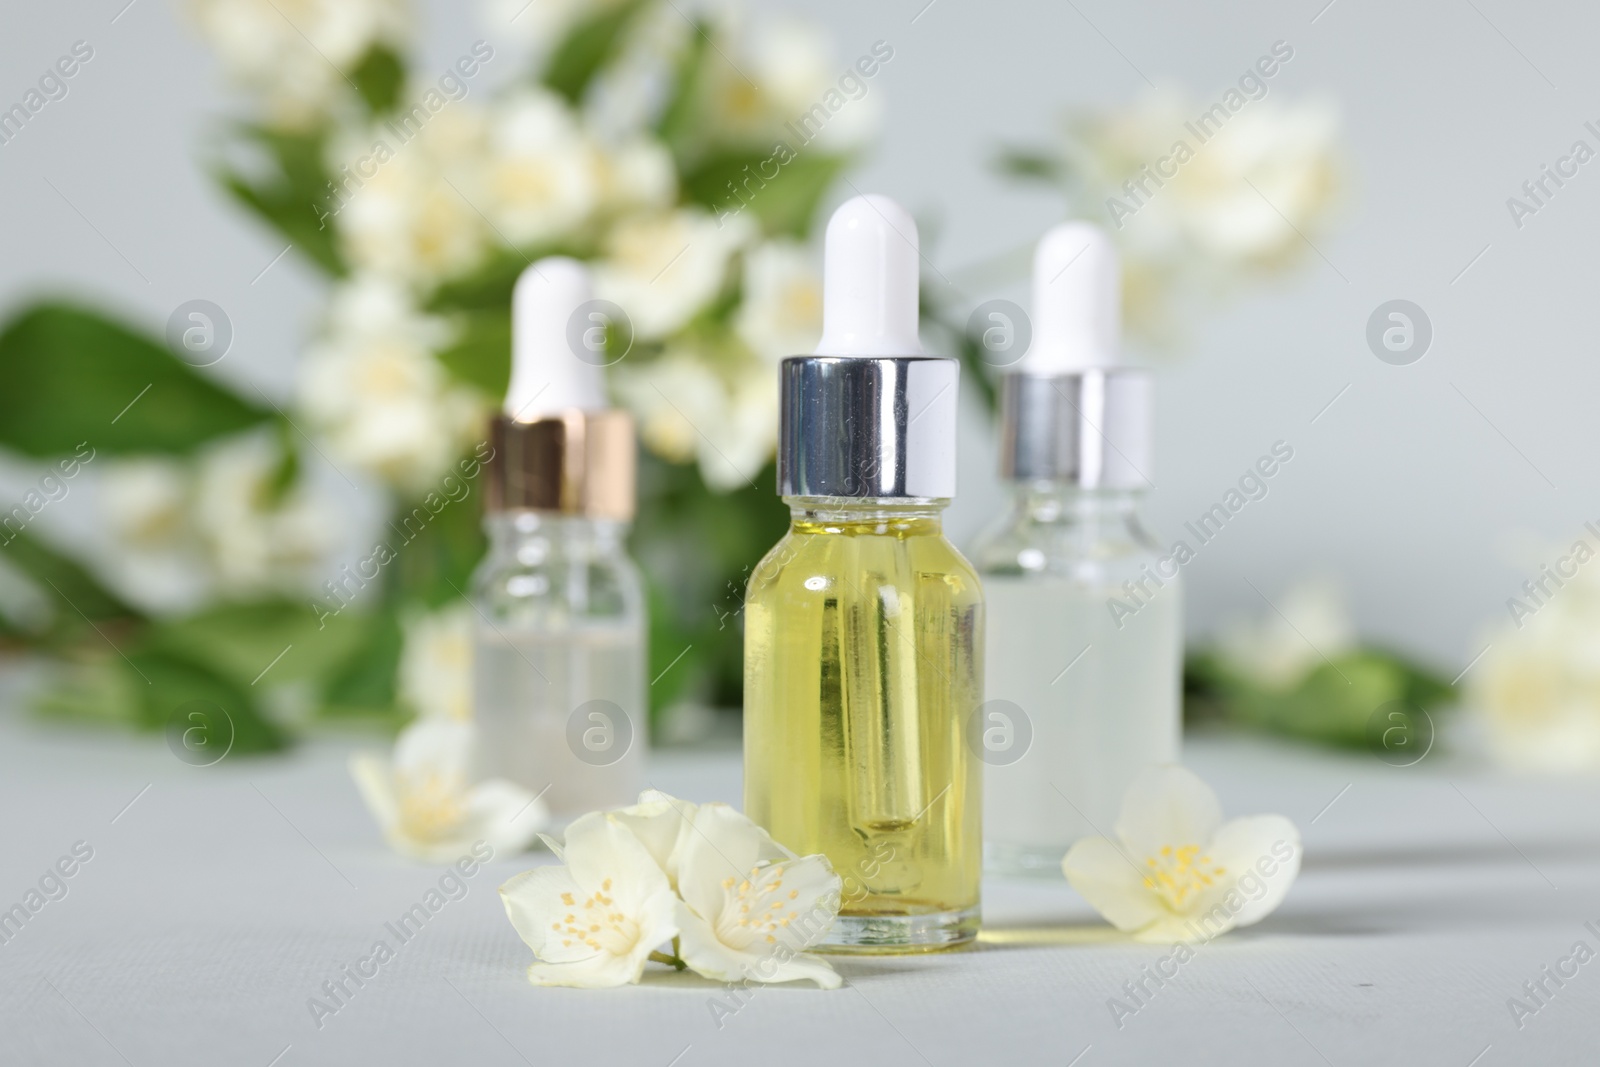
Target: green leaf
(1332,704)
(365,684)
(587,48)
(379,78)
(481,354)
(98,691)
(70,377)
(78,596)
(266,643)
(696,548)
(438,541)
(486,289)
(784,203)
(678,126)
(1031,164)
(296,196)
(148,689)
(174,679)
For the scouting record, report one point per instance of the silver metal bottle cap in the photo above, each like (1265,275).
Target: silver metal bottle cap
(868,426)
(1090,428)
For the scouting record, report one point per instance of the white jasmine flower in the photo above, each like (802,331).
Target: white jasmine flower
(788,73)
(669,397)
(662,269)
(751,907)
(373,386)
(428,805)
(146,503)
(541,172)
(781,311)
(594,921)
(293,51)
(401,208)
(1280,649)
(1176,871)
(637,173)
(215,525)
(1537,688)
(660,822)
(256,541)
(741,443)
(436,664)
(1205,227)
(688,411)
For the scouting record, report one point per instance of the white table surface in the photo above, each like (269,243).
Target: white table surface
(219,899)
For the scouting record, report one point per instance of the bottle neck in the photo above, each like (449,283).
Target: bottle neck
(881,515)
(1056,502)
(525,533)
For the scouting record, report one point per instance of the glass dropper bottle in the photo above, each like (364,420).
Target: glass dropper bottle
(863,625)
(1083,693)
(559,643)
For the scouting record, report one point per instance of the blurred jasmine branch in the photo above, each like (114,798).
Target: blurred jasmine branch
(685,157)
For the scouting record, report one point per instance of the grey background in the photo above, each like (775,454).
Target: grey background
(1417,487)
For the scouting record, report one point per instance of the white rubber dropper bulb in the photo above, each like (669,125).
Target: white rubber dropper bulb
(546,374)
(1077,301)
(869,280)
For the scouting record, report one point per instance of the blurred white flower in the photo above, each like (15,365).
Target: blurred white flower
(780,314)
(218,525)
(401,208)
(257,539)
(297,53)
(428,803)
(664,268)
(1176,872)
(670,396)
(373,386)
(1537,688)
(687,410)
(1205,227)
(786,68)
(146,502)
(630,93)
(436,664)
(1278,650)
(542,174)
(636,174)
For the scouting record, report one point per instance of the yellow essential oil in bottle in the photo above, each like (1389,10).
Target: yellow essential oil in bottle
(864,626)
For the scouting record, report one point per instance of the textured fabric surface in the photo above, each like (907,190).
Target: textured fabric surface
(218,900)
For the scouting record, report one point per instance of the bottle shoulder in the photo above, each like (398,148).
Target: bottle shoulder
(1066,549)
(812,562)
(558,587)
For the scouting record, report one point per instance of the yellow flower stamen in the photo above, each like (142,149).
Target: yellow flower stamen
(1180,872)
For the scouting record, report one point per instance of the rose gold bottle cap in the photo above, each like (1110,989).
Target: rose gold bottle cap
(572,462)
(557,446)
